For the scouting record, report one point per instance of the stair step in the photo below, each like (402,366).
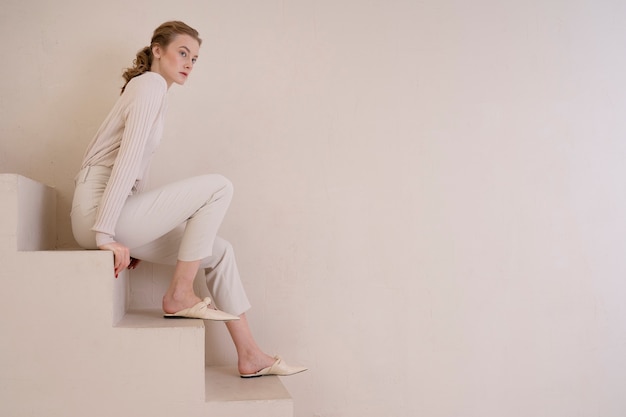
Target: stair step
(224,384)
(75,344)
(153,318)
(228,395)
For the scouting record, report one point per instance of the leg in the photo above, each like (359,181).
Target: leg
(250,358)
(180,293)
(197,204)
(176,223)
(224,284)
(222,276)
(223,280)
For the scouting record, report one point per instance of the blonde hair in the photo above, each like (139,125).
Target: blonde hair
(162,36)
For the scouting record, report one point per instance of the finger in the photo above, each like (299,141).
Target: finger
(119,268)
(117,262)
(122,259)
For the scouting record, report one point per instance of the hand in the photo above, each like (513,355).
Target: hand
(121,256)
(133,263)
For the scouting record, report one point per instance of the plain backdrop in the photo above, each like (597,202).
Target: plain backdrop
(429,195)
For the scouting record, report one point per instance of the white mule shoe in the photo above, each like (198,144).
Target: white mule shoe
(201,311)
(279,368)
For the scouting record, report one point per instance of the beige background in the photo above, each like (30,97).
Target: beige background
(429,206)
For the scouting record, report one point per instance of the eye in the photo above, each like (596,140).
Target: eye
(183,54)
(193,60)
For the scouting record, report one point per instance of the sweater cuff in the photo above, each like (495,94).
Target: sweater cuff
(103,239)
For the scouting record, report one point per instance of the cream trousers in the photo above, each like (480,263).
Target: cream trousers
(178,221)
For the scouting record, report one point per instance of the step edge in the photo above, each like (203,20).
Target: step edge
(154,319)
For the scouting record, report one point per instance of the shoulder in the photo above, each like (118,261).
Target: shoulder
(149,83)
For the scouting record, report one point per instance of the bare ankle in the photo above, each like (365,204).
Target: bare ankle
(176,301)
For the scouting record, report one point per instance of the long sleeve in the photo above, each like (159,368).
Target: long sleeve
(136,126)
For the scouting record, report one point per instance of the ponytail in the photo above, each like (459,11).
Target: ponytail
(141,64)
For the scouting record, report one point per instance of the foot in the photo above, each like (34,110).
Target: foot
(254,363)
(173,303)
(279,368)
(203,311)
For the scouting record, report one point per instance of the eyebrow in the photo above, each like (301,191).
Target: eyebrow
(187,49)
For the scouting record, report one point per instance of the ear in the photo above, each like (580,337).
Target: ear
(157,51)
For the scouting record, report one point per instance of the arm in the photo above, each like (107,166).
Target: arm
(145,101)
(139,117)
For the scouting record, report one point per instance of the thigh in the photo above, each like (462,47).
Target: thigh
(90,185)
(164,250)
(162,212)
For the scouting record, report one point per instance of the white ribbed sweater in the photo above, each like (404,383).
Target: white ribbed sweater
(125,142)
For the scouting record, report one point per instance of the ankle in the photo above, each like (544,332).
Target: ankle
(179,294)
(173,302)
(254,362)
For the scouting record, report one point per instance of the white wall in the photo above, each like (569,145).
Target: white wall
(429,206)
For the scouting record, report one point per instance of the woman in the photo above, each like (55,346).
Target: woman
(175,224)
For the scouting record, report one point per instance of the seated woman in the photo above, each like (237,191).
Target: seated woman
(176,224)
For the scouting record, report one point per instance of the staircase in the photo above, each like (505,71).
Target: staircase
(70,345)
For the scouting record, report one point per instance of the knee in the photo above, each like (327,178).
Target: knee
(222,248)
(220,182)
(222,258)
(228,185)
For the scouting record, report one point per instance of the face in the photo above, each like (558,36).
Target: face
(176,61)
